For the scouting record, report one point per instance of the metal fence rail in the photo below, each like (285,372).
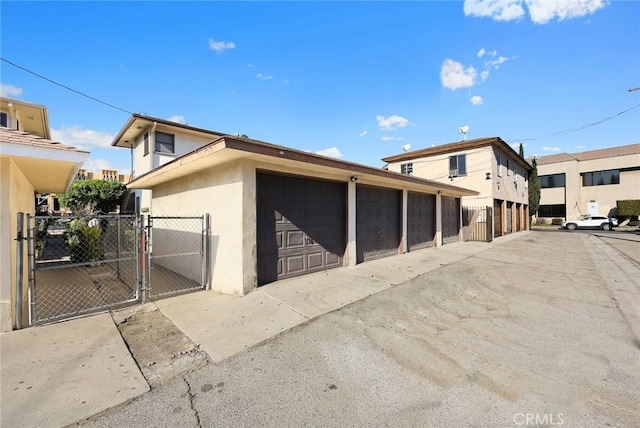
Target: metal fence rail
(81,264)
(477,224)
(176,255)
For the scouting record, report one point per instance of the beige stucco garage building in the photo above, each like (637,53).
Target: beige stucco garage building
(277,212)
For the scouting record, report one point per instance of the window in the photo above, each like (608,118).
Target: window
(600,178)
(558,210)
(552,180)
(457,165)
(165,142)
(406,168)
(499,164)
(508,169)
(146,143)
(4,119)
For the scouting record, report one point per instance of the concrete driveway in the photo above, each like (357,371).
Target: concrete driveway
(538,331)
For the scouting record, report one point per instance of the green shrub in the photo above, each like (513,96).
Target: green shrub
(84,242)
(628,207)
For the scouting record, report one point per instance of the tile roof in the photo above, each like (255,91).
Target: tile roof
(610,152)
(13,136)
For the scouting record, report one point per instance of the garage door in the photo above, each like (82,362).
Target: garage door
(450,219)
(497,217)
(421,221)
(508,218)
(301,226)
(377,222)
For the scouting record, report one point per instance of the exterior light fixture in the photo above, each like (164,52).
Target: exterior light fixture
(488,177)
(354,178)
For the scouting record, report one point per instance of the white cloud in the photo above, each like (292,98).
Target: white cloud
(250,65)
(496,63)
(580,147)
(484,75)
(540,11)
(220,47)
(10,90)
(543,11)
(97,165)
(476,100)
(481,53)
(331,152)
(391,122)
(455,76)
(178,119)
(500,10)
(387,138)
(551,149)
(83,139)
(261,76)
(363,133)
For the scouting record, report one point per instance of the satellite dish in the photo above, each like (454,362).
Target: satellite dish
(463,130)
(406,147)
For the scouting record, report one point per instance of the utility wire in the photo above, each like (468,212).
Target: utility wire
(64,86)
(588,125)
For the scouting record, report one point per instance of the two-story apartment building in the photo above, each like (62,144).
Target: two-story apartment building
(487,165)
(154,142)
(589,182)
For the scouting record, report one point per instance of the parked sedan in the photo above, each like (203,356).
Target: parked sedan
(591,222)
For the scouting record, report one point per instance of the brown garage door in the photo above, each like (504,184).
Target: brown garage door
(508,220)
(421,221)
(450,219)
(497,217)
(301,226)
(377,222)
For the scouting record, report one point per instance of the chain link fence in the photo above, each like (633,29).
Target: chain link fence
(176,255)
(81,264)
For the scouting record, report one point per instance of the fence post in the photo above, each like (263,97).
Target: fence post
(19,269)
(31,270)
(143,260)
(207,265)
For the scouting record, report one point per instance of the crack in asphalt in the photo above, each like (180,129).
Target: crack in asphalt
(191,397)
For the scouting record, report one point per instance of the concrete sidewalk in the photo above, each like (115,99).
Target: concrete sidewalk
(58,374)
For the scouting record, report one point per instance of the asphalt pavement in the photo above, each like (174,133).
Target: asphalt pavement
(537,329)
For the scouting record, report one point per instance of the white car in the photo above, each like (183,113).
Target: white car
(591,222)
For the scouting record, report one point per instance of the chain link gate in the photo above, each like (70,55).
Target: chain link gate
(81,264)
(176,255)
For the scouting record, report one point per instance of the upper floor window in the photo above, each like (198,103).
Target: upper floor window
(165,143)
(406,168)
(499,164)
(146,143)
(457,165)
(599,178)
(4,119)
(551,180)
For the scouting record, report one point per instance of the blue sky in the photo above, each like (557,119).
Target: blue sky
(350,80)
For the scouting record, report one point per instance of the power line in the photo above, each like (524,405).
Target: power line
(588,125)
(64,86)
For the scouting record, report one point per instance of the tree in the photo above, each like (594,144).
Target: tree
(93,196)
(534,188)
(521,151)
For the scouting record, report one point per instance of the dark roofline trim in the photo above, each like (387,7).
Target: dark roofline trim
(165,122)
(458,146)
(282,152)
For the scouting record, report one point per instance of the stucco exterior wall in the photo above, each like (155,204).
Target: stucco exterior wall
(221,193)
(17,195)
(579,196)
(479,162)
